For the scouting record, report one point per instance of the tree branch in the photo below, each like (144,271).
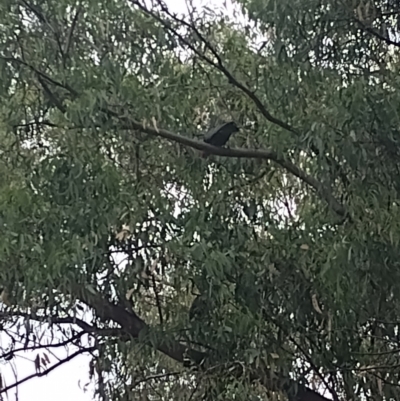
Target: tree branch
(71,31)
(39,73)
(134,325)
(268,154)
(10,354)
(52,97)
(375,33)
(47,371)
(154,377)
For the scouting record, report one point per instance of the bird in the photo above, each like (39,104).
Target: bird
(219,135)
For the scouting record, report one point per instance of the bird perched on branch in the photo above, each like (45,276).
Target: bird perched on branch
(219,135)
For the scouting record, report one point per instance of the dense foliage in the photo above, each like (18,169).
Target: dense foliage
(268,270)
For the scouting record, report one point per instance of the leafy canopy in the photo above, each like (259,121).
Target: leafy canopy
(268,269)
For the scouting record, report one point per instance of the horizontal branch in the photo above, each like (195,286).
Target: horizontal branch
(264,154)
(154,377)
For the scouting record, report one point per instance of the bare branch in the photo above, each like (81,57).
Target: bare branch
(316,370)
(47,371)
(86,327)
(10,354)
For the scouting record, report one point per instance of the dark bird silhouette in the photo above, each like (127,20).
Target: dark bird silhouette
(219,135)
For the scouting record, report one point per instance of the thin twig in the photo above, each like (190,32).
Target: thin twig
(40,73)
(154,377)
(47,371)
(42,346)
(71,31)
(158,302)
(315,369)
